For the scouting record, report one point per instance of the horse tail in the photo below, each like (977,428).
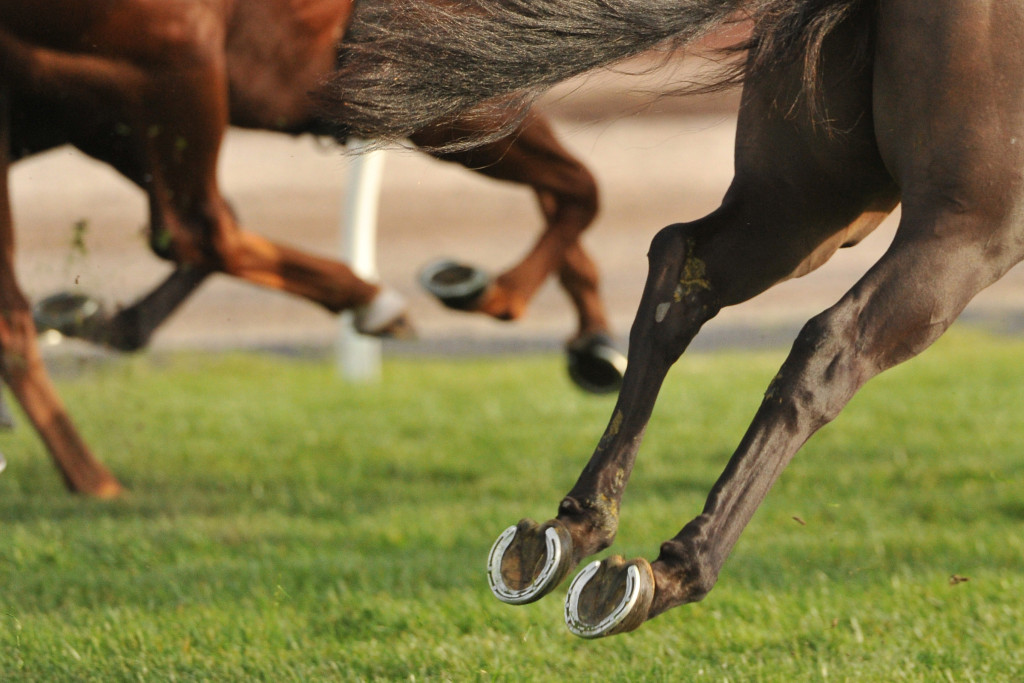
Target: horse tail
(407,64)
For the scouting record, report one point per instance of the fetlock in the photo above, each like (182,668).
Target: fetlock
(593,523)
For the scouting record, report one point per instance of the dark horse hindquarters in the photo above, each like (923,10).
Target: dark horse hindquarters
(919,102)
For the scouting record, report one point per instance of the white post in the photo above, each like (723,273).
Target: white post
(358,356)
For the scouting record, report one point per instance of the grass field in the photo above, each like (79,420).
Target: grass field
(283,525)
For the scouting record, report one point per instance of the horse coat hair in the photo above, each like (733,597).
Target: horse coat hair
(410,63)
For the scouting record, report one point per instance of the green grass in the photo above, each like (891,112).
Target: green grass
(283,525)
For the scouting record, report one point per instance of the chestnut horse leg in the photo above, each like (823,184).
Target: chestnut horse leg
(160,122)
(193,225)
(567,194)
(21,365)
(799,193)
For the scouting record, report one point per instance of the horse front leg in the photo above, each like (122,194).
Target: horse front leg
(21,365)
(129,328)
(193,226)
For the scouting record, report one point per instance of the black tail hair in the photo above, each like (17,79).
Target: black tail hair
(407,64)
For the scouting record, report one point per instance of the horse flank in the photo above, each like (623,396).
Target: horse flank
(407,64)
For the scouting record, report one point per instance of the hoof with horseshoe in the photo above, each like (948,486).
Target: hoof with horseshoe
(456,285)
(609,597)
(71,314)
(595,365)
(529,560)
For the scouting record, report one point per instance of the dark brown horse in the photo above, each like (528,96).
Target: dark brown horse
(849,107)
(150,88)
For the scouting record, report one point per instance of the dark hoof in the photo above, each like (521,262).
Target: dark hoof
(609,597)
(595,365)
(528,561)
(73,315)
(455,285)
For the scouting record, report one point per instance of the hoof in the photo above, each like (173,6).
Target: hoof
(609,597)
(73,315)
(455,285)
(110,490)
(384,316)
(528,561)
(595,365)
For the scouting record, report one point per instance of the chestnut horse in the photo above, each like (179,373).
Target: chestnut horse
(849,108)
(150,88)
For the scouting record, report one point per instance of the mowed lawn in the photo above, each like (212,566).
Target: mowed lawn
(283,525)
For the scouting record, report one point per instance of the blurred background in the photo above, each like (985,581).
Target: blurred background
(658,160)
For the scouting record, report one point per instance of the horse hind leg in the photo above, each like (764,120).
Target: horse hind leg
(938,263)
(694,270)
(960,231)
(797,196)
(567,195)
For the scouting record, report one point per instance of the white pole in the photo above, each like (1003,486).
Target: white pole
(358,356)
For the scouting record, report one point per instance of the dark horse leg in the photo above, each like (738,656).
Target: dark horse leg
(960,231)
(799,193)
(21,365)
(130,328)
(567,194)
(127,329)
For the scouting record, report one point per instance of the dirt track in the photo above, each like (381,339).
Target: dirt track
(656,164)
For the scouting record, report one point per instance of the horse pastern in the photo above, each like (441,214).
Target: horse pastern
(592,522)
(682,576)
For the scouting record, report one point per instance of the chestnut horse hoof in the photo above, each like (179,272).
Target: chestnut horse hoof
(384,316)
(609,597)
(456,285)
(595,365)
(70,314)
(528,561)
